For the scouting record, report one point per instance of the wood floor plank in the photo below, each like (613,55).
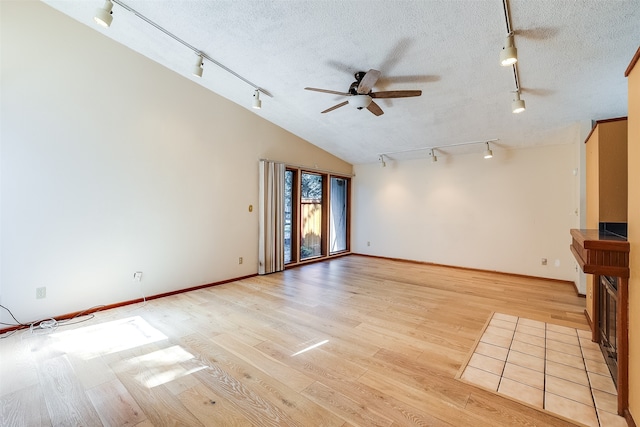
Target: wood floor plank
(24,408)
(115,406)
(353,411)
(64,394)
(510,412)
(296,380)
(159,405)
(91,372)
(276,388)
(208,369)
(17,368)
(211,408)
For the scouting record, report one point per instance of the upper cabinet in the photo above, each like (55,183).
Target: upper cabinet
(607,173)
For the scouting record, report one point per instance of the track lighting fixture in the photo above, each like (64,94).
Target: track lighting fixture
(488,153)
(257,104)
(433,156)
(509,53)
(104,15)
(197,70)
(517,105)
(432,150)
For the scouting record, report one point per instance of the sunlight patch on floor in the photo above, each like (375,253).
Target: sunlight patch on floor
(106,338)
(311,347)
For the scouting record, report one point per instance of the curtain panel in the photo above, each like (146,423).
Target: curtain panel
(271,212)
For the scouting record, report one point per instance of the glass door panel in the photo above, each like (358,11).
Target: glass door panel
(289,215)
(338,215)
(311,193)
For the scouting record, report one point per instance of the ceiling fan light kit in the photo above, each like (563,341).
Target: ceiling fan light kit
(360,101)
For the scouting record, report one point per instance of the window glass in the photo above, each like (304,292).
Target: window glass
(311,199)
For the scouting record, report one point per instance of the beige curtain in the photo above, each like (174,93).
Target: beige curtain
(271,211)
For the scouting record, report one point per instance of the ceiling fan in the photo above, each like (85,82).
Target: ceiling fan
(361,94)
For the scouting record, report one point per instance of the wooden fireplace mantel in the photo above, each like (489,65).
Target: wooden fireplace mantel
(603,254)
(606,254)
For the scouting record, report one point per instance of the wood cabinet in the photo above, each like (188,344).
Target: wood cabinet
(607,187)
(633,78)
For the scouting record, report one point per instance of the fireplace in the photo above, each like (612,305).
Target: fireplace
(604,253)
(607,310)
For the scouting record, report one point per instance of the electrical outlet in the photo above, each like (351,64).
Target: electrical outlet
(543,261)
(137,276)
(240,260)
(41,292)
(368,243)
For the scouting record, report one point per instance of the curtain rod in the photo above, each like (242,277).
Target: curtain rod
(315,169)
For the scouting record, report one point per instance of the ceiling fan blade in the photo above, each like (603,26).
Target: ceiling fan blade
(327,91)
(368,81)
(342,104)
(396,94)
(375,109)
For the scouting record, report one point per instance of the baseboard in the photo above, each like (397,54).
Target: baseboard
(586,314)
(480,270)
(124,303)
(629,418)
(575,286)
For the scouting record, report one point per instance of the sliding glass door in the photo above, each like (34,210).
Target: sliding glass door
(316,215)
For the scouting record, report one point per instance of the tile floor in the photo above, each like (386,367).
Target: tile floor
(554,368)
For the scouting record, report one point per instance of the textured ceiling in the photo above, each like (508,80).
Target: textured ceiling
(572,58)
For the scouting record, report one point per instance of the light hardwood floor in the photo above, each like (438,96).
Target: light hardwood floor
(354,341)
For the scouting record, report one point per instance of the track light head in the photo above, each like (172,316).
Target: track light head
(509,53)
(383,164)
(197,69)
(488,153)
(104,15)
(257,104)
(517,105)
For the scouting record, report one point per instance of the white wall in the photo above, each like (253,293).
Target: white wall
(112,164)
(502,214)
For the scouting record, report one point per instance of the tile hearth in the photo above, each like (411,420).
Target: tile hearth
(550,367)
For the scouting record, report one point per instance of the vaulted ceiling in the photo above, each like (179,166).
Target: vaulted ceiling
(572,58)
